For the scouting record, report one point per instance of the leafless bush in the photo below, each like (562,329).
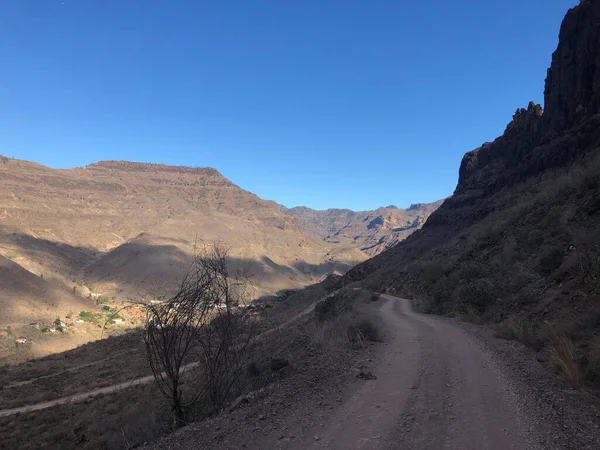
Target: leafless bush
(200,330)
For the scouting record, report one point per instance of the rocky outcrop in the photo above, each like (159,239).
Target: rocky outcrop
(538,142)
(573,83)
(571,98)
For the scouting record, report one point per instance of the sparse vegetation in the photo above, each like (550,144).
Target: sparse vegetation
(90,317)
(363,330)
(332,306)
(563,357)
(524,330)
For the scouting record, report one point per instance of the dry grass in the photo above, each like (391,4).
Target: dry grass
(562,355)
(363,330)
(344,319)
(329,335)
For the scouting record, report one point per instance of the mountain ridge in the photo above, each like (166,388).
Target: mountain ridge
(126,230)
(371,231)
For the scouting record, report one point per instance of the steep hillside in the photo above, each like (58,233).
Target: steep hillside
(519,241)
(122,230)
(370,231)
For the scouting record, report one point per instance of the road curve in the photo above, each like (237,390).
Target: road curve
(436,388)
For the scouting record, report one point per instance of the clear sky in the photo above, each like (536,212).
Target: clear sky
(323,103)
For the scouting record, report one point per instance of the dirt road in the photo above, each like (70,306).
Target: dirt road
(436,388)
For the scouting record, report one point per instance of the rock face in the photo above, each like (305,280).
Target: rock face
(571,97)
(501,242)
(573,83)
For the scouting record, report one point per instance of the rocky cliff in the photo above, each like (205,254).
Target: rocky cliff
(519,238)
(572,91)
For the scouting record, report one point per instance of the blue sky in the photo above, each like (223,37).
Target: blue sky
(323,103)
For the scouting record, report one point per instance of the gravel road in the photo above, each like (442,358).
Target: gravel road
(436,388)
(435,383)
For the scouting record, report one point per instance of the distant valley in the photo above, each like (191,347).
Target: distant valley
(120,231)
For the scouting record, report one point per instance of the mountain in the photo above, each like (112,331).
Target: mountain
(519,241)
(123,230)
(370,231)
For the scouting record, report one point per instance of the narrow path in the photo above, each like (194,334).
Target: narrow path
(77,397)
(125,384)
(436,388)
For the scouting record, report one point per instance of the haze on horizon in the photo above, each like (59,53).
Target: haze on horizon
(343,105)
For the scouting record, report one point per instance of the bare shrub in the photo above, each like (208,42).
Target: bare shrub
(363,330)
(198,330)
(563,357)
